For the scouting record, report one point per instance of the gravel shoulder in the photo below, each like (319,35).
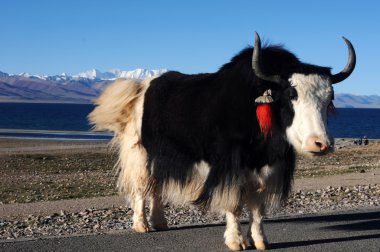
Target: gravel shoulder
(22,210)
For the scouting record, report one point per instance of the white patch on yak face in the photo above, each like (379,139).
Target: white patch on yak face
(308,132)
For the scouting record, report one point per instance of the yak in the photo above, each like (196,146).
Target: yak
(219,141)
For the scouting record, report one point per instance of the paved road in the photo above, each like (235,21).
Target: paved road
(352,231)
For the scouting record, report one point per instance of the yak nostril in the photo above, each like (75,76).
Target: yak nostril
(321,146)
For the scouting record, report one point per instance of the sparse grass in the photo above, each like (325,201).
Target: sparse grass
(41,177)
(352,159)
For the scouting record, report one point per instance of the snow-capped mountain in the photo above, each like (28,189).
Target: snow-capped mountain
(82,88)
(117,73)
(137,74)
(95,74)
(61,77)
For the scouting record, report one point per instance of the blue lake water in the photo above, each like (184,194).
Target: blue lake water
(47,117)
(347,123)
(355,123)
(38,116)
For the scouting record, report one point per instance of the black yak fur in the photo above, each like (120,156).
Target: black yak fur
(211,117)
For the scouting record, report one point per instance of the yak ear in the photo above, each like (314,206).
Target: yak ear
(256,63)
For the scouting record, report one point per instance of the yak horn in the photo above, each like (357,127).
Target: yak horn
(256,57)
(336,78)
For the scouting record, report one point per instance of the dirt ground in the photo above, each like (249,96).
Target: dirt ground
(45,170)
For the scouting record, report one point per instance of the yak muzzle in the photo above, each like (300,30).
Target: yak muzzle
(317,145)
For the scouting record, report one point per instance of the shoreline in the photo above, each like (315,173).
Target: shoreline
(90,102)
(57,135)
(90,132)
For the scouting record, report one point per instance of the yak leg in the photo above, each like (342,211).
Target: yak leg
(157,216)
(255,231)
(232,236)
(140,224)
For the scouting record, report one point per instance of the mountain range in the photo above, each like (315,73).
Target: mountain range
(80,88)
(86,86)
(356,101)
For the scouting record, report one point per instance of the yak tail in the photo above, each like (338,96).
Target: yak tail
(115,108)
(119,109)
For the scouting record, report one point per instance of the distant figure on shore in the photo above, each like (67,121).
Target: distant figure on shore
(365,140)
(361,141)
(358,141)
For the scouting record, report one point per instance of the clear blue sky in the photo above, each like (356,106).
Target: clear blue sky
(55,36)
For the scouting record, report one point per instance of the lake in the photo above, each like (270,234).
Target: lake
(346,123)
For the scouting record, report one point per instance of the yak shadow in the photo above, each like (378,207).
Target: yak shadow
(357,226)
(329,217)
(357,221)
(282,245)
(296,244)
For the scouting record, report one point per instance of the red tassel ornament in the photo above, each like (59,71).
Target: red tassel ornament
(264,113)
(264,117)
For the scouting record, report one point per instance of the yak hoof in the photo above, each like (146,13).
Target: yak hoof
(261,245)
(236,246)
(140,227)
